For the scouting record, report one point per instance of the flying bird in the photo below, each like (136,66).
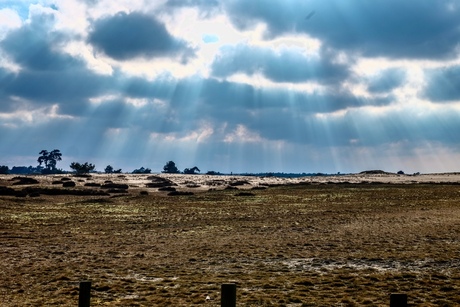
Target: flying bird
(310,15)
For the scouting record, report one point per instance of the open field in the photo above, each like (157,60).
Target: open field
(323,241)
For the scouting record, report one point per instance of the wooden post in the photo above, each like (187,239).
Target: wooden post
(228,295)
(85,294)
(398,300)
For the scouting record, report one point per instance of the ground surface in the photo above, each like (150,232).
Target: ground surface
(317,243)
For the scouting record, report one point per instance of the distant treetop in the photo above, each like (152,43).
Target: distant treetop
(49,159)
(142,170)
(82,168)
(170,168)
(192,170)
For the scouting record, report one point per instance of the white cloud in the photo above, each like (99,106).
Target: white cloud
(9,19)
(32,117)
(79,49)
(200,135)
(243,135)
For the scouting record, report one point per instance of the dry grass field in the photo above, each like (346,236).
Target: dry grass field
(284,243)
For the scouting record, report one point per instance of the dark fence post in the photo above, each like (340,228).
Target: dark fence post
(228,295)
(398,300)
(85,294)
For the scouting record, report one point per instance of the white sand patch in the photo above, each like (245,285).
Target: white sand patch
(218,182)
(380,265)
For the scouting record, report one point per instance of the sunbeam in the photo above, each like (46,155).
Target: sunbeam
(232,86)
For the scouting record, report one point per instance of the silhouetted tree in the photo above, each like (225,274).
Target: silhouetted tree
(49,159)
(26,170)
(170,168)
(213,173)
(110,170)
(192,170)
(142,170)
(4,169)
(82,168)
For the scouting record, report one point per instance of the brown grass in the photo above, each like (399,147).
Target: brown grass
(303,245)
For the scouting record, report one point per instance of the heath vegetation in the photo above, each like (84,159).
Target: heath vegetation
(304,244)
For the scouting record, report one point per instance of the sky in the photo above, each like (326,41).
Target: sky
(232,85)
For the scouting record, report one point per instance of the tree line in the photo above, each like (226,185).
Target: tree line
(47,164)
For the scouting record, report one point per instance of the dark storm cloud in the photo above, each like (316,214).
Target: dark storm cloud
(135,35)
(57,87)
(147,118)
(205,6)
(111,114)
(136,87)
(230,94)
(191,101)
(5,78)
(273,114)
(35,47)
(364,129)
(212,97)
(386,81)
(279,114)
(48,75)
(70,89)
(284,66)
(7,104)
(443,84)
(411,126)
(197,3)
(389,28)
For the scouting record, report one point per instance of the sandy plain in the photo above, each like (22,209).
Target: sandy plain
(346,240)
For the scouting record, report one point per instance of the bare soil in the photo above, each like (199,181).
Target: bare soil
(345,241)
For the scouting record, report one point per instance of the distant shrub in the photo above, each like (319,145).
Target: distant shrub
(238,182)
(120,186)
(68,184)
(374,172)
(158,182)
(84,168)
(142,170)
(192,171)
(110,170)
(213,173)
(24,181)
(7,191)
(168,189)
